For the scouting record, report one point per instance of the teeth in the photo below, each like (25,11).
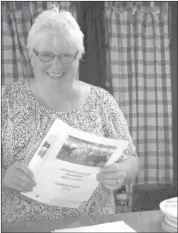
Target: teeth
(55,75)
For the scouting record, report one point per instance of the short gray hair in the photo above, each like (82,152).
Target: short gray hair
(53,22)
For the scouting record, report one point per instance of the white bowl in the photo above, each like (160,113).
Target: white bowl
(169,207)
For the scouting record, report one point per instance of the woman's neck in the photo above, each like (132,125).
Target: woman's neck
(53,95)
(54,89)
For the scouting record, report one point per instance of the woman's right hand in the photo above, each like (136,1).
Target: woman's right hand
(19,177)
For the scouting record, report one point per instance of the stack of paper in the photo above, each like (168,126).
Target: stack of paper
(169,209)
(119,226)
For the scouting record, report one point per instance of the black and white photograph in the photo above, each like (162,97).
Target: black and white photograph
(82,152)
(104,68)
(45,147)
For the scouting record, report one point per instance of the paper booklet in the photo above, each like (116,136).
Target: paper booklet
(119,226)
(66,163)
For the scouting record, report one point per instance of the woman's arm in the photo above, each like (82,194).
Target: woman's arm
(119,174)
(124,171)
(3,171)
(131,166)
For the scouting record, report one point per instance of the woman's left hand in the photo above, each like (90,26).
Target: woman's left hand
(112,176)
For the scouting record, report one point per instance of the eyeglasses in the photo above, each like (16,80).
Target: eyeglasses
(48,57)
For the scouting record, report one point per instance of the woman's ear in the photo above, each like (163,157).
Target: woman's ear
(32,60)
(30,55)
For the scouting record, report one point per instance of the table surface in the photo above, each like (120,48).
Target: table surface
(145,221)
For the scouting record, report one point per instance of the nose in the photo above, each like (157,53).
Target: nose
(56,62)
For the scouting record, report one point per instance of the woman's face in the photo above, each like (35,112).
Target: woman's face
(47,65)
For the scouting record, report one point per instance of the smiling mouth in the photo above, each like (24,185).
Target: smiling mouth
(55,75)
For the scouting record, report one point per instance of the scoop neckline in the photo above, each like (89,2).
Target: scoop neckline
(55,112)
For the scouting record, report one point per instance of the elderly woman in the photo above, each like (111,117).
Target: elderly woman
(55,46)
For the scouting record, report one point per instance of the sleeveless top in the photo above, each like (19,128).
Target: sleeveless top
(24,124)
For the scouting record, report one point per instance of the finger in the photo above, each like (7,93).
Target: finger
(109,168)
(20,182)
(111,175)
(120,175)
(24,178)
(20,186)
(24,188)
(103,177)
(112,183)
(24,169)
(110,187)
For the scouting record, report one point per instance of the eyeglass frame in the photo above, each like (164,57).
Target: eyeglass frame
(54,55)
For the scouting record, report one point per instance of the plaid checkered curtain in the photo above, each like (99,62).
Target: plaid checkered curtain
(17,18)
(140,76)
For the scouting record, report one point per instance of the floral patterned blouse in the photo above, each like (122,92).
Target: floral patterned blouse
(25,122)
